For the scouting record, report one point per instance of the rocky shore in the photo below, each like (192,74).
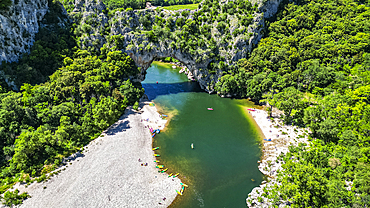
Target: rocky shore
(115,170)
(282,136)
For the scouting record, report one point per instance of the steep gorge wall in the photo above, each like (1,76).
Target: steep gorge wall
(143,50)
(18,27)
(21,22)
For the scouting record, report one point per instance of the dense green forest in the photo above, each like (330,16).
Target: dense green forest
(80,95)
(314,65)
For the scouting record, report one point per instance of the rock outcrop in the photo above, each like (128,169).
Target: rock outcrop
(95,26)
(134,27)
(18,27)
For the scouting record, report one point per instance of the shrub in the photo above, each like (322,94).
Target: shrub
(14,198)
(5,4)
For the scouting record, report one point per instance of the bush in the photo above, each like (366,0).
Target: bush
(5,4)
(14,198)
(136,106)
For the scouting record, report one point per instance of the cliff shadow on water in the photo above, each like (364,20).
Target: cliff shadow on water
(155,90)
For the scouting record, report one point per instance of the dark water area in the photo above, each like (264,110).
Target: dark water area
(222,168)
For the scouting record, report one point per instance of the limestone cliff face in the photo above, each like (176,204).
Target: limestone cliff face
(18,27)
(95,25)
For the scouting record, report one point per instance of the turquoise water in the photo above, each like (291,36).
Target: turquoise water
(222,168)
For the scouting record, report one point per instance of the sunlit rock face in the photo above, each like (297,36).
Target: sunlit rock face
(20,24)
(18,27)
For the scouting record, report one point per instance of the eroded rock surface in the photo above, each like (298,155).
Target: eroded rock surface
(18,27)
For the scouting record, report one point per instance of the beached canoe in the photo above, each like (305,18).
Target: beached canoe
(210,109)
(156,155)
(164,170)
(155,148)
(250,109)
(178,192)
(176,175)
(170,175)
(156,161)
(159,166)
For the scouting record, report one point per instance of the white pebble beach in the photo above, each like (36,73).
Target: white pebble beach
(108,172)
(279,143)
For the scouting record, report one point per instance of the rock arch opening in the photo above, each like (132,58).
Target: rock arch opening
(197,69)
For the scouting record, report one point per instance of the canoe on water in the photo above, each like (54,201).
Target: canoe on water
(210,109)
(155,148)
(183,184)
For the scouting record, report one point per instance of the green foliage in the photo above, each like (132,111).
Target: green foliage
(139,4)
(136,106)
(52,45)
(313,65)
(82,94)
(178,7)
(5,4)
(14,198)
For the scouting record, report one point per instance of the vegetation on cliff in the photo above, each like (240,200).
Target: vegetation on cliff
(314,65)
(140,4)
(5,4)
(44,123)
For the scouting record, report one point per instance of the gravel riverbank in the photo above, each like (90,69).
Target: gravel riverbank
(282,136)
(109,173)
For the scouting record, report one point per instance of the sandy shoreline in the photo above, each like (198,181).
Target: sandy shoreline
(282,136)
(108,173)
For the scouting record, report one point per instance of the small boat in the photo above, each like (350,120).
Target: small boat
(178,192)
(210,109)
(164,170)
(173,67)
(155,148)
(250,109)
(183,184)
(159,166)
(192,145)
(156,161)
(176,175)
(156,155)
(157,131)
(182,190)
(170,175)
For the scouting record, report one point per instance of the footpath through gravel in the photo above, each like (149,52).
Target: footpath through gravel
(108,173)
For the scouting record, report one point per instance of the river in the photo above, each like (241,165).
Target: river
(222,168)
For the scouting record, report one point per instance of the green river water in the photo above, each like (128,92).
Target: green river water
(222,168)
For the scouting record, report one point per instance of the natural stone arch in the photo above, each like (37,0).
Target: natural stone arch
(145,59)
